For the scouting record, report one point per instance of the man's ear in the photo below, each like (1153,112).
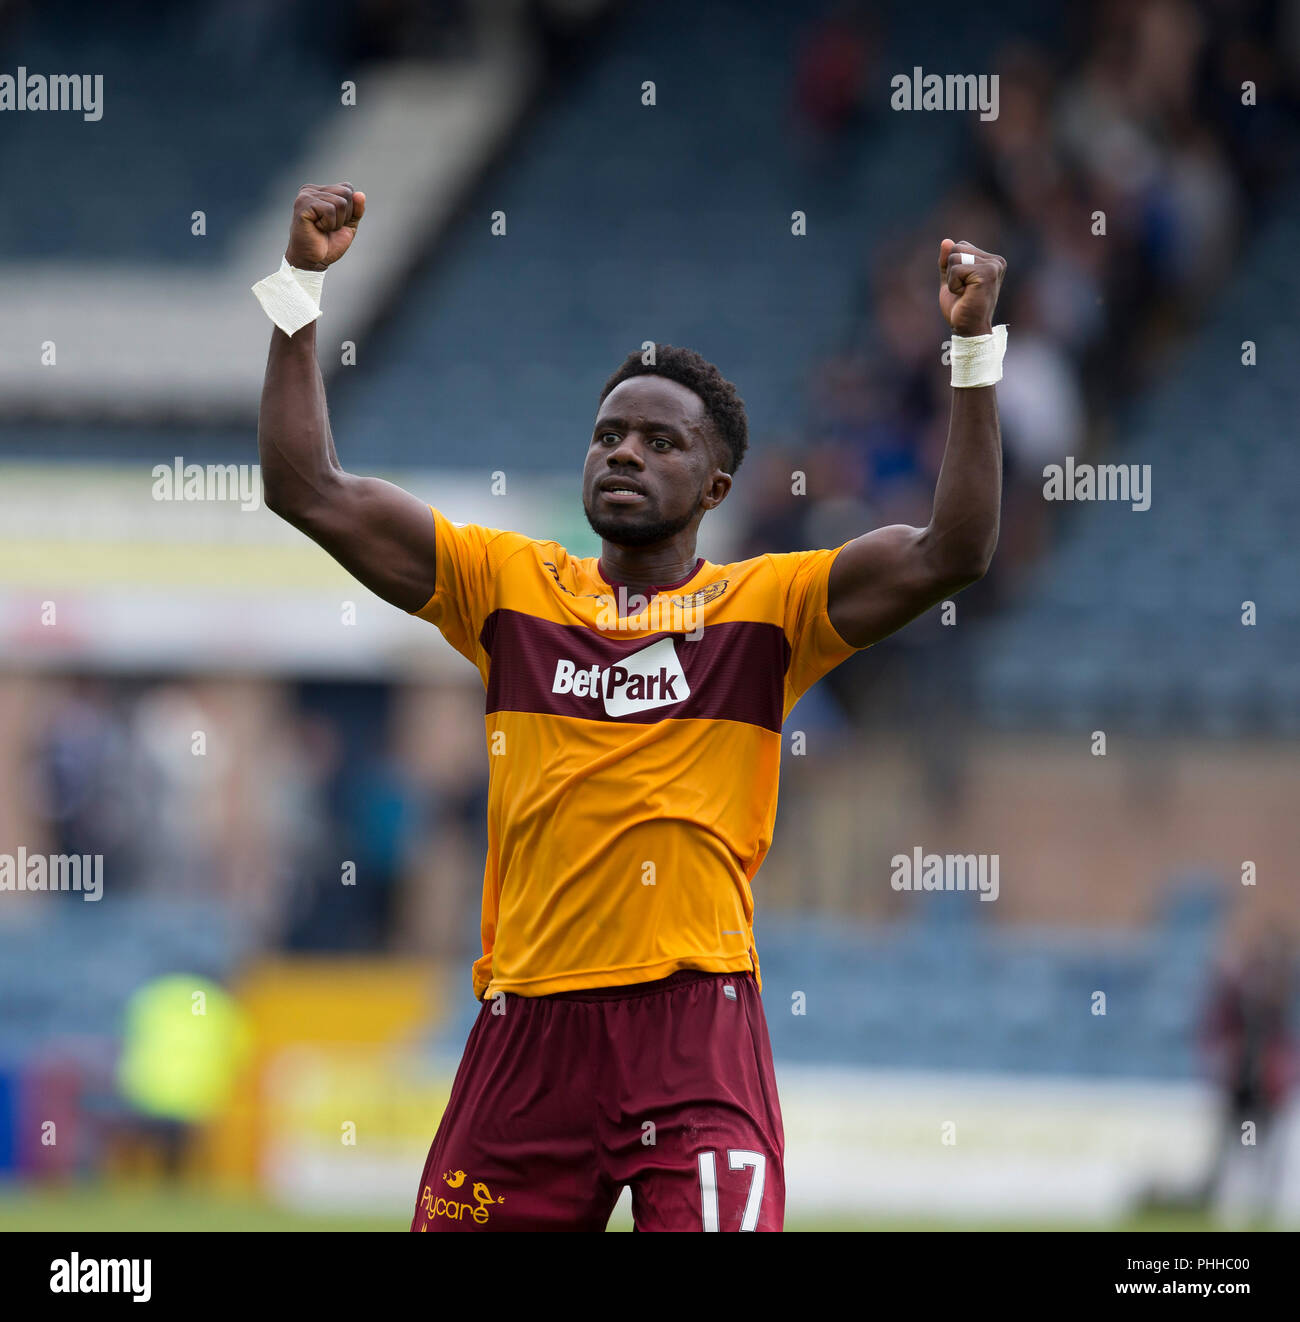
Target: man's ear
(718,488)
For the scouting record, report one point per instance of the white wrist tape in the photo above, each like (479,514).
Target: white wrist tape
(977,359)
(290,297)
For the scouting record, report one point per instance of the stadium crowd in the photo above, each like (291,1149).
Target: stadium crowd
(1116,179)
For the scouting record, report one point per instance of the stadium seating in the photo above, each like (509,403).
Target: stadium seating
(496,353)
(1135,620)
(927,995)
(68,978)
(948,991)
(153,115)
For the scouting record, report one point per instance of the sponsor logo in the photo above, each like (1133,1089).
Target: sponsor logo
(644,681)
(459,1209)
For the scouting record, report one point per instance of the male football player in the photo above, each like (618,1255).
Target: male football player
(633,714)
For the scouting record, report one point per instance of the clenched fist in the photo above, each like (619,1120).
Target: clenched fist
(325,220)
(968,291)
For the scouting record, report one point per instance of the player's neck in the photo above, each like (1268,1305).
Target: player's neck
(647,569)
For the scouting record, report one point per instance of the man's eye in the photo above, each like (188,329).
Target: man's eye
(663,442)
(608,436)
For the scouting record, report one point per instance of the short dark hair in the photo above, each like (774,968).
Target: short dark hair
(724,406)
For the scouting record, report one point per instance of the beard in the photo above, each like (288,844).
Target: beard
(624,531)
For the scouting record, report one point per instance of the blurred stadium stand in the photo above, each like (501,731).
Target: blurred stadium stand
(158,114)
(1134,621)
(629,223)
(418,121)
(68,981)
(957,994)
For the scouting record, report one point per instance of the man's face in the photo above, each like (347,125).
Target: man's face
(652,467)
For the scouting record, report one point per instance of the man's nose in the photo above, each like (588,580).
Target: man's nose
(628,451)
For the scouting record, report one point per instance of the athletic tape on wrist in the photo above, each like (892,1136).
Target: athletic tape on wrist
(977,359)
(290,297)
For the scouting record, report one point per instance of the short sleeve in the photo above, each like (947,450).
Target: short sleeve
(467,559)
(815,646)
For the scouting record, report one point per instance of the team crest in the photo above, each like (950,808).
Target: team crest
(710,593)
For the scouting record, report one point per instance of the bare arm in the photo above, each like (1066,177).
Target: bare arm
(889,576)
(380,534)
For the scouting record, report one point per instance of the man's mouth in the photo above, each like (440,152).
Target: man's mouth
(622,493)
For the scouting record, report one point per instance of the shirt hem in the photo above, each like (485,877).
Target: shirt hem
(620,977)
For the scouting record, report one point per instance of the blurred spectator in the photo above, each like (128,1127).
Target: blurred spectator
(1247,1035)
(309,849)
(381,813)
(83,786)
(180,759)
(832,74)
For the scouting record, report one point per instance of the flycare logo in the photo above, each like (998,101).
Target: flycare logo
(77,1275)
(56,91)
(644,681)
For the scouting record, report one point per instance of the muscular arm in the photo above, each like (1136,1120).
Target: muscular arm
(379,533)
(889,576)
(383,536)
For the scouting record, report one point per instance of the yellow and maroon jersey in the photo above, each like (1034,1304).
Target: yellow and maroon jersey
(633,757)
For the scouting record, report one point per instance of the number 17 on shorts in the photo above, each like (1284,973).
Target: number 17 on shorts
(737,1160)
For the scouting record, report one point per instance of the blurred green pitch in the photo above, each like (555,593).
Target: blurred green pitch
(101,1207)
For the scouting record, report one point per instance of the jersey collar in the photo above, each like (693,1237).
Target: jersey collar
(656,590)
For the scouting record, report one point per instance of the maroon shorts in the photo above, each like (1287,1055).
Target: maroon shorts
(562,1100)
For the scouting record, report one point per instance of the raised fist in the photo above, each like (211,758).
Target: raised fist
(968,289)
(325,220)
